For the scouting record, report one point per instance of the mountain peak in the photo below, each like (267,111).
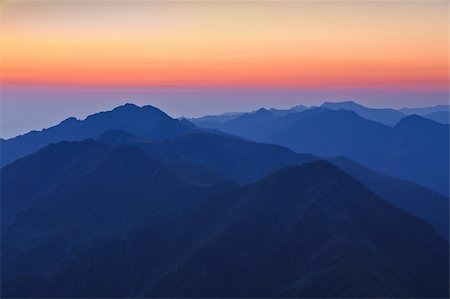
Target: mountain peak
(315,171)
(69,120)
(127,106)
(263,111)
(414,120)
(349,105)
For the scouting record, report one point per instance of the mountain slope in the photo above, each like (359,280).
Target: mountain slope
(304,231)
(145,121)
(385,116)
(261,124)
(425,110)
(245,162)
(334,133)
(101,191)
(240,160)
(407,196)
(442,117)
(311,231)
(415,149)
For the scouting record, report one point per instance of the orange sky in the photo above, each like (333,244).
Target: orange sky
(395,44)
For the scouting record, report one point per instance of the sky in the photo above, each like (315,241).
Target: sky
(73,58)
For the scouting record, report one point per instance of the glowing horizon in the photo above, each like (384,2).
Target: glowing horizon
(385,45)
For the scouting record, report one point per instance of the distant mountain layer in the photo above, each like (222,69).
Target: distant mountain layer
(245,162)
(214,121)
(308,231)
(119,221)
(415,149)
(439,116)
(145,121)
(425,110)
(386,116)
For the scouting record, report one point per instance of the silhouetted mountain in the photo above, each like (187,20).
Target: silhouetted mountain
(215,121)
(240,160)
(412,198)
(238,126)
(210,121)
(419,152)
(245,162)
(425,110)
(145,121)
(386,116)
(442,117)
(263,123)
(280,112)
(416,149)
(70,193)
(309,231)
(124,224)
(119,137)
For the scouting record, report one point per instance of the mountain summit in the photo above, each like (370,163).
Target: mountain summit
(145,121)
(303,231)
(310,231)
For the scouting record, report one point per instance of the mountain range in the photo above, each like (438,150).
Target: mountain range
(133,203)
(154,230)
(415,148)
(387,116)
(143,121)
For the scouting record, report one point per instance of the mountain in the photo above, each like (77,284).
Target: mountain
(417,151)
(214,120)
(412,198)
(424,110)
(281,112)
(310,231)
(263,123)
(125,224)
(386,116)
(46,169)
(52,206)
(245,162)
(145,121)
(240,160)
(442,117)
(260,118)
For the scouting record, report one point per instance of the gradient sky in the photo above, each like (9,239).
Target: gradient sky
(62,58)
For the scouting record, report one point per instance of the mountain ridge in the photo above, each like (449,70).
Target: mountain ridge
(285,235)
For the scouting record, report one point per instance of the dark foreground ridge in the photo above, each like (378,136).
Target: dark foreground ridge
(123,223)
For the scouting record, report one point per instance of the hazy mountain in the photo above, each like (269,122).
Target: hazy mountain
(240,160)
(211,120)
(120,223)
(386,116)
(416,151)
(425,110)
(410,197)
(52,205)
(442,117)
(298,108)
(245,162)
(142,121)
(262,124)
(216,121)
(60,163)
(309,231)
